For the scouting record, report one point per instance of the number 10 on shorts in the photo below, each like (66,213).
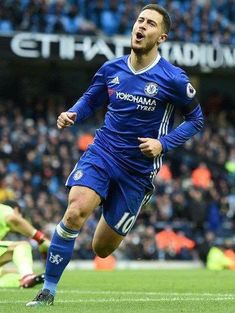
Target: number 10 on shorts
(125,223)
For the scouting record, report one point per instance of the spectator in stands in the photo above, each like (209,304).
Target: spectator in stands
(84,141)
(74,23)
(197,208)
(127,19)
(110,18)
(197,21)
(173,245)
(201,176)
(56,12)
(6,193)
(204,245)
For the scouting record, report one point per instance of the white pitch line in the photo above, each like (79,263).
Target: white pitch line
(142,293)
(147,293)
(129,300)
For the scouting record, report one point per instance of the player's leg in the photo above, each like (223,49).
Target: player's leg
(89,182)
(20,253)
(120,209)
(6,252)
(23,259)
(9,278)
(81,203)
(105,239)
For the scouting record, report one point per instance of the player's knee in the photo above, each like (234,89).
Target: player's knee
(76,214)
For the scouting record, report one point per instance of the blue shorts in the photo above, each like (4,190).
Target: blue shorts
(123,194)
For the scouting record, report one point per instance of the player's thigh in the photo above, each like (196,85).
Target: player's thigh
(6,257)
(6,251)
(89,172)
(89,183)
(85,196)
(120,211)
(123,204)
(105,239)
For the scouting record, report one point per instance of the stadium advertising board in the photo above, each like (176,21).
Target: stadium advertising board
(66,47)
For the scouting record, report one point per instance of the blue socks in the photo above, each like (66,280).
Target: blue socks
(59,255)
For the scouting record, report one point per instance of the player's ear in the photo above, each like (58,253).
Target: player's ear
(162,38)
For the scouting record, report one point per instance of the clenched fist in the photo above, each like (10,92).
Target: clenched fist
(66,119)
(150,147)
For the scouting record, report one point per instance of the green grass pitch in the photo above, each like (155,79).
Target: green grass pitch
(143,291)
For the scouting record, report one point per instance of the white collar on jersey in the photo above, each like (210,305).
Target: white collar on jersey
(144,69)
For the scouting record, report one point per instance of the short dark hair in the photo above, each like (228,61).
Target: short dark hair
(13,204)
(163,12)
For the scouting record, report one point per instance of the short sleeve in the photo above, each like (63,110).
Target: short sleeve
(6,210)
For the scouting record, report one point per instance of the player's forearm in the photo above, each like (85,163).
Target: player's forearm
(83,109)
(20,225)
(193,123)
(95,97)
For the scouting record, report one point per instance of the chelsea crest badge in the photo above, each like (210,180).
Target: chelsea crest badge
(77,175)
(151,89)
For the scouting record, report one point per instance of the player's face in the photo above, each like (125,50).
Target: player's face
(147,32)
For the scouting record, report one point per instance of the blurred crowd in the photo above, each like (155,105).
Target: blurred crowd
(193,204)
(208,21)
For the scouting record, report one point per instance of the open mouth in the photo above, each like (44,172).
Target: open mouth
(139,36)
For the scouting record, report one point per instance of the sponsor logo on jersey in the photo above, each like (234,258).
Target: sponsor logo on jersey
(77,175)
(151,89)
(115,81)
(135,99)
(143,103)
(190,91)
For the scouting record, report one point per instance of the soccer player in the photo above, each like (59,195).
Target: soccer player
(19,252)
(142,91)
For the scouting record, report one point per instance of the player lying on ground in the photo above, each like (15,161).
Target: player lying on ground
(19,252)
(142,91)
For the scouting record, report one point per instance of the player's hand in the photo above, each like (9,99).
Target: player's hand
(150,147)
(66,119)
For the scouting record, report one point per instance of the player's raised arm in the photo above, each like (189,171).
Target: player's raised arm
(95,97)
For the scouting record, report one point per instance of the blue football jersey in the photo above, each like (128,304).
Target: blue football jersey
(140,104)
